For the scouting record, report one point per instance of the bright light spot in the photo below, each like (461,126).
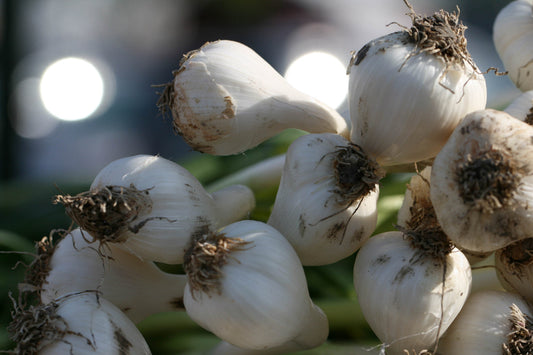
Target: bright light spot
(71,89)
(320,75)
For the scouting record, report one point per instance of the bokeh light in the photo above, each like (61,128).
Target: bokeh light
(71,89)
(321,75)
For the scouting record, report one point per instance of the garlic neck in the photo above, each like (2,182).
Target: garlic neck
(232,203)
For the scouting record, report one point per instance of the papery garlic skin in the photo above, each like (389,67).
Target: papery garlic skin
(402,98)
(512,36)
(139,288)
(482,182)
(522,107)
(96,326)
(310,209)
(483,326)
(226,99)
(514,268)
(260,300)
(177,207)
(402,295)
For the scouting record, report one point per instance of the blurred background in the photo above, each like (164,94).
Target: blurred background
(80,81)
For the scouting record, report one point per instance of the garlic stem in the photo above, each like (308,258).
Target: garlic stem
(264,174)
(232,203)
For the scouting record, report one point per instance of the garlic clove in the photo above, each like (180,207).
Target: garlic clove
(490,323)
(409,89)
(408,296)
(226,99)
(326,204)
(79,323)
(139,288)
(482,182)
(151,206)
(512,36)
(514,268)
(248,287)
(522,107)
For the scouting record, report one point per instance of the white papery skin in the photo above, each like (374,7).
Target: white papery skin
(403,109)
(512,35)
(516,275)
(467,226)
(306,211)
(228,99)
(102,327)
(263,300)
(483,324)
(522,106)
(401,292)
(139,288)
(180,205)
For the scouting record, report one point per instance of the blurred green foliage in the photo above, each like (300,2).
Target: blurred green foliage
(27,214)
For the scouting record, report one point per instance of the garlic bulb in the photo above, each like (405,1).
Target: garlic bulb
(514,267)
(247,286)
(152,207)
(522,107)
(417,208)
(139,288)
(491,323)
(326,204)
(226,99)
(512,36)
(79,323)
(482,182)
(409,292)
(409,89)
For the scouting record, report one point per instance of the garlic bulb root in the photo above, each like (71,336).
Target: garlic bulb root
(205,259)
(108,212)
(514,267)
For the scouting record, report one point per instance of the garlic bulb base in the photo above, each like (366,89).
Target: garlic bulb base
(204,259)
(108,212)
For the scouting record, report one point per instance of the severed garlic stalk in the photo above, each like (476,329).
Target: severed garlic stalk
(153,207)
(139,288)
(522,107)
(79,323)
(326,204)
(247,286)
(482,182)
(491,323)
(512,36)
(226,99)
(409,89)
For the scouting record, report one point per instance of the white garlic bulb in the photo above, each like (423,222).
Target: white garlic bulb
(512,36)
(138,288)
(522,107)
(79,324)
(410,295)
(514,267)
(152,206)
(482,182)
(326,204)
(247,286)
(490,323)
(226,99)
(409,89)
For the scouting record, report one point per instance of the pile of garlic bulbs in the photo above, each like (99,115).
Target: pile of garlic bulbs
(415,96)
